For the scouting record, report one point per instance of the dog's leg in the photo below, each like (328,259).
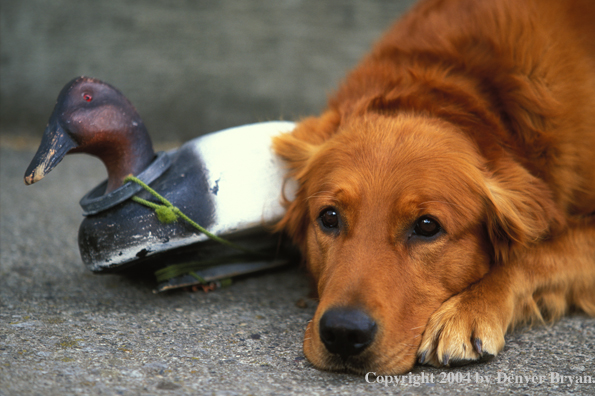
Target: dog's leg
(545,279)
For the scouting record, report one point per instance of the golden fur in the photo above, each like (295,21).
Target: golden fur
(481,115)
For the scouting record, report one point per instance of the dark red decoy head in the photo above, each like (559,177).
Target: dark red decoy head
(93,117)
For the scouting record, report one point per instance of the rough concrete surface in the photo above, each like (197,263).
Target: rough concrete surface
(65,331)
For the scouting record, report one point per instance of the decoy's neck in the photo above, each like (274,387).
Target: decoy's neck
(127,152)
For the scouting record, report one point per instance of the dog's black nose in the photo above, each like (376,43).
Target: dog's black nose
(346,331)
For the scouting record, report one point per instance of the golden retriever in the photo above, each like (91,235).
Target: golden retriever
(448,191)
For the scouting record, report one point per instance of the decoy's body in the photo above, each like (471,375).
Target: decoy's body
(229,182)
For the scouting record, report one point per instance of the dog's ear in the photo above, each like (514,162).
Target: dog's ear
(521,211)
(296,148)
(294,151)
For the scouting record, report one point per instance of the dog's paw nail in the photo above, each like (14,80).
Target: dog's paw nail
(445,359)
(422,357)
(478,345)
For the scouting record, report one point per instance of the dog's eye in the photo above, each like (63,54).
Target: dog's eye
(426,227)
(329,218)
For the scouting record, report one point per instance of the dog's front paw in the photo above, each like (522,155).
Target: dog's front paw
(463,330)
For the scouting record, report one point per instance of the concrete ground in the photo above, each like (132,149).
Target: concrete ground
(65,331)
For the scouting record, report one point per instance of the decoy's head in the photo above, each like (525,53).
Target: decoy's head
(93,117)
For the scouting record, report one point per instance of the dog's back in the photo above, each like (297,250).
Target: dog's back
(533,60)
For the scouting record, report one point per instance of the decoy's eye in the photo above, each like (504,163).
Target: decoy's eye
(88,97)
(426,227)
(329,218)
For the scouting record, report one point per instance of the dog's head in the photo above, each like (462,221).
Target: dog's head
(394,215)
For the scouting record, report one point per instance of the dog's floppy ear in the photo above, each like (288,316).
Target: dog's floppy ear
(296,148)
(521,210)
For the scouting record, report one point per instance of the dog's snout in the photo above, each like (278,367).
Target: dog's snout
(346,331)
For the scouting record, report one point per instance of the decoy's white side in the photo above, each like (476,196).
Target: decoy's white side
(244,175)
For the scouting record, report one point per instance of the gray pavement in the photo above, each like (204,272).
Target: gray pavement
(65,331)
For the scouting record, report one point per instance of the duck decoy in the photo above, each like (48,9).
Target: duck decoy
(229,182)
